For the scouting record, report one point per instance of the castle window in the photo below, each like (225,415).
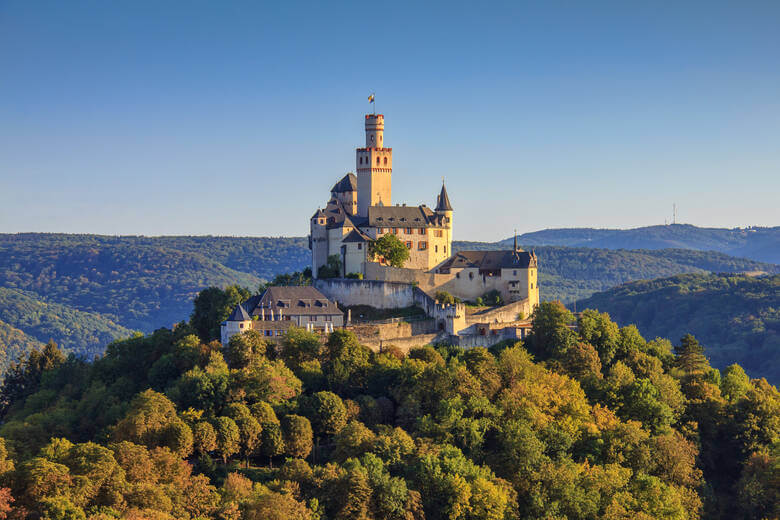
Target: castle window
(409,244)
(377,161)
(471,276)
(408,231)
(514,273)
(457,275)
(240,325)
(385,161)
(436,249)
(445,249)
(360,246)
(438,233)
(421,231)
(395,230)
(422,246)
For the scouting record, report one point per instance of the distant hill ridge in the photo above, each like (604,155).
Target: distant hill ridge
(757,243)
(86,289)
(736,317)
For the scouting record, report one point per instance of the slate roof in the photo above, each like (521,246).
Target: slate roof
(443,201)
(490,260)
(346,184)
(400,216)
(239,314)
(294,300)
(356,236)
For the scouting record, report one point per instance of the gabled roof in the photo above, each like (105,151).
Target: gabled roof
(443,201)
(239,314)
(356,236)
(399,216)
(346,184)
(293,300)
(318,214)
(490,260)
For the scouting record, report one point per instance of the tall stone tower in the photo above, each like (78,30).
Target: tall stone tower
(374,167)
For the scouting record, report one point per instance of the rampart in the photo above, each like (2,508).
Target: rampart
(377,294)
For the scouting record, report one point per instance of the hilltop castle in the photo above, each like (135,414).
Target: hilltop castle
(361,209)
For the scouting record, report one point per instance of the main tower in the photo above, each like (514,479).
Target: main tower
(374,167)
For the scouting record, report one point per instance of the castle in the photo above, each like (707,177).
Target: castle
(361,209)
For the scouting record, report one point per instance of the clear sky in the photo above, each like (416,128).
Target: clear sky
(236,118)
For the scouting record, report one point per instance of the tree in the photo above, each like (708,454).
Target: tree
(298,435)
(245,347)
(228,437)
(24,377)
(300,346)
(212,306)
(327,412)
(332,269)
(152,421)
(390,248)
(690,358)
(204,437)
(273,442)
(550,335)
(249,428)
(735,383)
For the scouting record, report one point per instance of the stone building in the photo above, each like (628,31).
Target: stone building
(280,308)
(360,209)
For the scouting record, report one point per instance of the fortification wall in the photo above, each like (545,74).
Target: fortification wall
(504,314)
(404,344)
(377,294)
(424,280)
(401,329)
(450,317)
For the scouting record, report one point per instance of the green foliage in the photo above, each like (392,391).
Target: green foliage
(27,322)
(446,298)
(390,248)
(297,278)
(332,269)
(212,306)
(737,317)
(589,422)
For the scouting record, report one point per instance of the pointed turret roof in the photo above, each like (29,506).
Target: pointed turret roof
(443,201)
(346,184)
(239,314)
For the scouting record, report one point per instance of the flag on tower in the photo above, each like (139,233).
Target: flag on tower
(371,98)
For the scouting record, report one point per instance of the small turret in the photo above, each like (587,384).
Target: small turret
(443,206)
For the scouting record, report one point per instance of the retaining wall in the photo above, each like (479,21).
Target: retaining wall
(377,294)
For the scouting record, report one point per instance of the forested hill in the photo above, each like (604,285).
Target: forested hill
(111,285)
(737,318)
(592,423)
(762,244)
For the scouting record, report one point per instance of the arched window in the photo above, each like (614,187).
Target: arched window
(385,161)
(377,161)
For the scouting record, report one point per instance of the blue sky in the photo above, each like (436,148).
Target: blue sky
(235,118)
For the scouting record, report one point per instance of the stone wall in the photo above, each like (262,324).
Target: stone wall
(401,329)
(404,344)
(377,294)
(449,317)
(504,314)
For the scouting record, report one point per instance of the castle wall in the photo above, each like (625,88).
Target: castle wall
(504,314)
(450,318)
(381,295)
(403,344)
